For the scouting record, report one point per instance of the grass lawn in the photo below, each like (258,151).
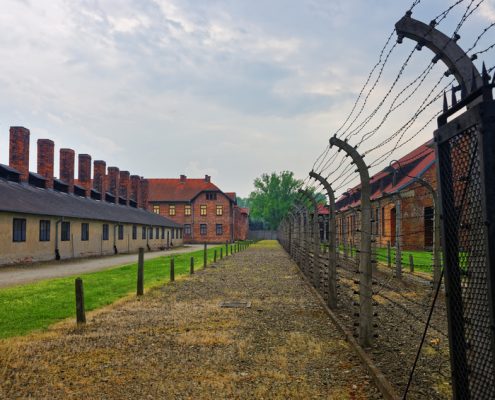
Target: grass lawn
(36,306)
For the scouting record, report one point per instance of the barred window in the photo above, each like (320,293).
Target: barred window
(163,232)
(121,232)
(44,230)
(187,229)
(211,196)
(219,229)
(19,230)
(84,231)
(157,231)
(187,210)
(171,210)
(143,233)
(65,231)
(134,232)
(105,233)
(219,210)
(202,210)
(150,233)
(173,233)
(203,229)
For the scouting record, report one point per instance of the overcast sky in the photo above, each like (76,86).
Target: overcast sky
(226,88)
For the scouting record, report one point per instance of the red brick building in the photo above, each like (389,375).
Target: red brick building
(398,201)
(208,214)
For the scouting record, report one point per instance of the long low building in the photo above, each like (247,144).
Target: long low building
(44,218)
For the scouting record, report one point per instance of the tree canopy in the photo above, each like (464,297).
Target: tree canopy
(273,196)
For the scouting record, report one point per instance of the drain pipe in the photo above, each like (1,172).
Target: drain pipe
(115,251)
(148,236)
(57,252)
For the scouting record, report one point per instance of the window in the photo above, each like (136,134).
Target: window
(143,234)
(121,232)
(180,233)
(163,232)
(105,234)
(187,229)
(44,230)
(202,210)
(203,229)
(219,229)
(171,210)
(173,233)
(19,230)
(156,209)
(187,210)
(65,233)
(157,230)
(219,210)
(84,231)
(134,232)
(211,196)
(150,233)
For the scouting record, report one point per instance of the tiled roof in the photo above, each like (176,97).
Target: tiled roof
(323,210)
(175,190)
(26,199)
(416,162)
(231,195)
(244,210)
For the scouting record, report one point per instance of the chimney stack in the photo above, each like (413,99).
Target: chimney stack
(67,159)
(207,178)
(84,173)
(183,178)
(136,189)
(99,171)
(124,185)
(114,182)
(19,151)
(144,193)
(46,155)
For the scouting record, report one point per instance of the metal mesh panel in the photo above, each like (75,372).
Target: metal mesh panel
(466,266)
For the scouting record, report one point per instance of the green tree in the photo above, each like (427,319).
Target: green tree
(273,196)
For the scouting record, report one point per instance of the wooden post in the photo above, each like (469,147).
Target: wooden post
(411,263)
(205,256)
(172,269)
(215,256)
(221,253)
(389,255)
(140,272)
(191,266)
(226,248)
(80,312)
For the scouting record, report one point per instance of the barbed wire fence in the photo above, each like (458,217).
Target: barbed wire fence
(376,257)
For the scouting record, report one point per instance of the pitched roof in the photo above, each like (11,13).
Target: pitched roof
(244,210)
(28,199)
(177,190)
(414,164)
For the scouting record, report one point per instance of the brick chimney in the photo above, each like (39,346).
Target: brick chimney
(67,160)
(46,155)
(183,178)
(84,173)
(114,182)
(144,193)
(19,151)
(136,189)
(125,184)
(207,178)
(99,172)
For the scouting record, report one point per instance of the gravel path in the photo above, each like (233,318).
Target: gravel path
(12,275)
(176,342)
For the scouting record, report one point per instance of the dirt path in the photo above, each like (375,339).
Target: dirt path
(21,274)
(177,343)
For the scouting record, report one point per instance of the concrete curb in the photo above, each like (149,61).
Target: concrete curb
(378,377)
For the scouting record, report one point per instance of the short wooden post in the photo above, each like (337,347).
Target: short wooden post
(140,272)
(221,253)
(411,263)
(231,252)
(389,255)
(172,269)
(205,256)
(215,256)
(80,313)
(191,266)
(226,248)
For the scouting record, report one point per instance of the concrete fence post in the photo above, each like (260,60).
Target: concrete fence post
(411,263)
(398,254)
(205,255)
(314,238)
(365,267)
(332,246)
(172,269)
(191,266)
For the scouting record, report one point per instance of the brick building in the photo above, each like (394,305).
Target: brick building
(207,214)
(398,200)
(45,218)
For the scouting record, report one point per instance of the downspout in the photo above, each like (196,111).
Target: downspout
(115,251)
(57,252)
(148,237)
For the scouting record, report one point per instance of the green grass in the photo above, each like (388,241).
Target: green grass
(35,306)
